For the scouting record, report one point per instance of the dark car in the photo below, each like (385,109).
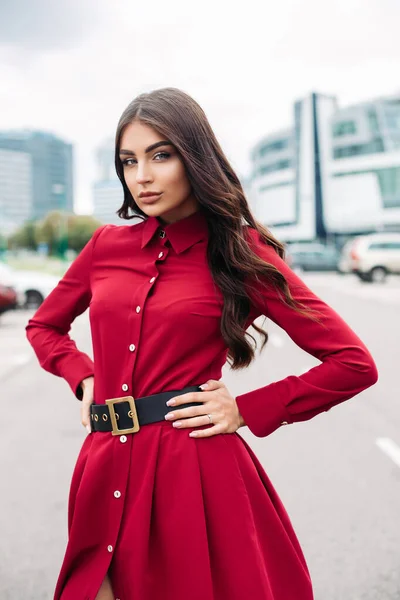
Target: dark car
(312,257)
(8,298)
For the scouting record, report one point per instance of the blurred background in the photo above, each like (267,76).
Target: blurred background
(305,101)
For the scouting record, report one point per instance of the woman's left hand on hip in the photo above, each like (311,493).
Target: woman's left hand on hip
(215,401)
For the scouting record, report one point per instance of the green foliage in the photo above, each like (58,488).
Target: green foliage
(24,237)
(59,230)
(80,230)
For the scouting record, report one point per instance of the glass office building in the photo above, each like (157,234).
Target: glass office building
(51,169)
(335,173)
(15,190)
(107,189)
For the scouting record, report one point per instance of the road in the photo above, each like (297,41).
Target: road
(338,474)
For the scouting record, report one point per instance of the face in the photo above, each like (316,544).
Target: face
(152,164)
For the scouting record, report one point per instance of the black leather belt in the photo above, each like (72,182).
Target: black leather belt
(126,414)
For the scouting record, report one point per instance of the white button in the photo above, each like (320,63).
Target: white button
(125,387)
(161,255)
(110,548)
(152,279)
(122,439)
(138,309)
(117,494)
(132,347)
(284,423)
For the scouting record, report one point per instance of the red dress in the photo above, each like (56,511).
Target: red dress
(169,516)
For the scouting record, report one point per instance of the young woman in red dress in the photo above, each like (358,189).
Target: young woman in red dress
(167,500)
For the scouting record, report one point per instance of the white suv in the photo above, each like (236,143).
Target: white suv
(372,257)
(32,287)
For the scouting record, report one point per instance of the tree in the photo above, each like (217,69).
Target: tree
(24,237)
(80,230)
(59,230)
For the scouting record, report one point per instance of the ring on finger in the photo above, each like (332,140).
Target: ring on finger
(210,419)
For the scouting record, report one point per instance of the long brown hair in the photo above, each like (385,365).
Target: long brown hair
(180,120)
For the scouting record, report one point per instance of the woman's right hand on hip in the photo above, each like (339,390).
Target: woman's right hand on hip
(87,399)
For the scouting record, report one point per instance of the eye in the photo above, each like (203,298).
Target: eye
(127,162)
(162,155)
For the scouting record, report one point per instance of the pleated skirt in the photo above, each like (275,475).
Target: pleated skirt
(171,517)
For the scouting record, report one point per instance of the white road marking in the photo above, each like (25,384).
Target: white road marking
(6,342)
(391,449)
(20,359)
(13,363)
(276,340)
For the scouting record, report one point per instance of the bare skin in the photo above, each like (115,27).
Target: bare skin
(105,592)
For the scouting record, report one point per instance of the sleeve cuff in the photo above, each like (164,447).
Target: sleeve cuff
(263,410)
(78,369)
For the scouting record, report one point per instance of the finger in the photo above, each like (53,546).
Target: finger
(186,399)
(212,384)
(85,416)
(195,422)
(185,413)
(209,432)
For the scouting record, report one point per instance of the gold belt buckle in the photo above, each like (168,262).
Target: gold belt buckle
(132,413)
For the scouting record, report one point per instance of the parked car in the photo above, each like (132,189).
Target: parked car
(372,257)
(8,298)
(312,257)
(32,287)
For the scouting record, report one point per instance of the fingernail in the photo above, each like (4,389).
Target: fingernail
(171,402)
(88,429)
(169,415)
(177,423)
(204,386)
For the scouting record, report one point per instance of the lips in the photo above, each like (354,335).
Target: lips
(148,198)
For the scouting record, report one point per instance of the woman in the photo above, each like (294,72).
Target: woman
(181,509)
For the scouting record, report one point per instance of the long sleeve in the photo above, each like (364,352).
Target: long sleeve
(346,369)
(48,330)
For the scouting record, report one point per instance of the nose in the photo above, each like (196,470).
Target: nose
(143,173)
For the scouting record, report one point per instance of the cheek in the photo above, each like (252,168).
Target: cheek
(130,179)
(178,177)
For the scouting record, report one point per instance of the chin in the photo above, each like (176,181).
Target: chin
(152,210)
(157,210)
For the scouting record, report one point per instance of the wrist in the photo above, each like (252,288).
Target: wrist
(85,381)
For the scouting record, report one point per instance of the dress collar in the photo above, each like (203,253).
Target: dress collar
(182,234)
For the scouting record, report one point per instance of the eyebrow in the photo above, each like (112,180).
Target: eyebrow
(148,149)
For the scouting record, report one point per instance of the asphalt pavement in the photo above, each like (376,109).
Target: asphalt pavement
(338,474)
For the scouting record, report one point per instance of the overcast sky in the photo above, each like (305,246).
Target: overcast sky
(72,66)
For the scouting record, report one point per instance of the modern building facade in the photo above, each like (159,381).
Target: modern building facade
(334,174)
(15,190)
(51,162)
(107,189)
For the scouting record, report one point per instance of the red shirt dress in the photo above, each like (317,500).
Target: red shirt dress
(168,516)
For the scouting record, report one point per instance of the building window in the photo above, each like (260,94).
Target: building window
(280,165)
(359,149)
(274,147)
(344,128)
(389,184)
(373,120)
